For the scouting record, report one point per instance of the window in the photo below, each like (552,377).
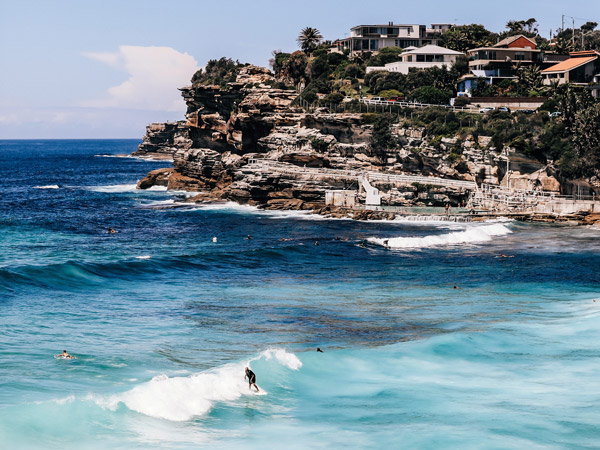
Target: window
(519,56)
(420,58)
(374,44)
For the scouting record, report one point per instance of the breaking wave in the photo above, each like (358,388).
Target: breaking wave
(475,234)
(182,398)
(49,186)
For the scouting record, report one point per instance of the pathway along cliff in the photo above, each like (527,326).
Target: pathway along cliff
(247,142)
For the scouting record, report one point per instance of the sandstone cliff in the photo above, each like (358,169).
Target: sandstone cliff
(247,142)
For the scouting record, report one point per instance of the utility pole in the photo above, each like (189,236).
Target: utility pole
(573,34)
(563,23)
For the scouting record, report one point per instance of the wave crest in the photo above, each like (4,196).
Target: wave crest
(483,233)
(182,398)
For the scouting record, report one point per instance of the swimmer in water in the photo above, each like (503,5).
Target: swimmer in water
(111,230)
(319,350)
(64,355)
(251,379)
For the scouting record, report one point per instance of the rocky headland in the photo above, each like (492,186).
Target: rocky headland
(247,141)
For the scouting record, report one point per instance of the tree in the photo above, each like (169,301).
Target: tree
(431,95)
(276,62)
(386,55)
(382,137)
(589,26)
(308,39)
(529,79)
(353,71)
(586,139)
(295,66)
(526,27)
(465,37)
(217,72)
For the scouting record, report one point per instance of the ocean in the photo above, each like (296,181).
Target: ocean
(454,335)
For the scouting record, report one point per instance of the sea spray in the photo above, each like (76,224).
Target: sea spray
(474,234)
(182,398)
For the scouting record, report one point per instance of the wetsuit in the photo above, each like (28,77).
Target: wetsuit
(251,376)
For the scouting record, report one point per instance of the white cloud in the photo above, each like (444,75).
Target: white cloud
(155,73)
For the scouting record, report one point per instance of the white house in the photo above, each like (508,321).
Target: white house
(421,58)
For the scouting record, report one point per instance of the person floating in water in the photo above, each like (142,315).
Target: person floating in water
(249,237)
(251,379)
(319,350)
(111,230)
(64,355)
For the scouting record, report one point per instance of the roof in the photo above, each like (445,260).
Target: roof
(432,50)
(569,64)
(511,39)
(502,49)
(387,25)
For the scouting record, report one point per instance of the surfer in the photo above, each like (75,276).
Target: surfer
(319,350)
(111,230)
(251,379)
(64,355)
(249,237)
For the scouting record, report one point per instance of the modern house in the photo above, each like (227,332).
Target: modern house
(580,68)
(421,58)
(372,38)
(500,61)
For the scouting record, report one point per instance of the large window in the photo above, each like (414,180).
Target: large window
(486,54)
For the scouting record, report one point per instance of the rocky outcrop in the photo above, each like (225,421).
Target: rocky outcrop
(162,139)
(158,177)
(247,142)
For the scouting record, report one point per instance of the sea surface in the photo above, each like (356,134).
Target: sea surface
(454,335)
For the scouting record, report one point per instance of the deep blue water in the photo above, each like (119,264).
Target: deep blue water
(163,321)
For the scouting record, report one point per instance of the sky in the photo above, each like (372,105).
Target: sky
(105,69)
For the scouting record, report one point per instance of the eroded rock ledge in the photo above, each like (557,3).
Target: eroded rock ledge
(247,143)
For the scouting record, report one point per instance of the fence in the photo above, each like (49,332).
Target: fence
(500,199)
(367,106)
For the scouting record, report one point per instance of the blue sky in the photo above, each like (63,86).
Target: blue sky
(104,69)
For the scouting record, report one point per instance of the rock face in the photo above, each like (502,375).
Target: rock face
(247,142)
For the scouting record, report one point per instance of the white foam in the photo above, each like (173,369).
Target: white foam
(182,398)
(143,257)
(49,186)
(479,233)
(118,188)
(289,360)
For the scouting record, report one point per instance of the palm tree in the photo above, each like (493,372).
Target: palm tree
(309,38)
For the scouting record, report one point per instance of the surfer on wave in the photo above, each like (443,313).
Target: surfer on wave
(251,379)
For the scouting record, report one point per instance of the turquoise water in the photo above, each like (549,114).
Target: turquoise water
(163,321)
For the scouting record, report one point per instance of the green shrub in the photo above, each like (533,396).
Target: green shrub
(431,95)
